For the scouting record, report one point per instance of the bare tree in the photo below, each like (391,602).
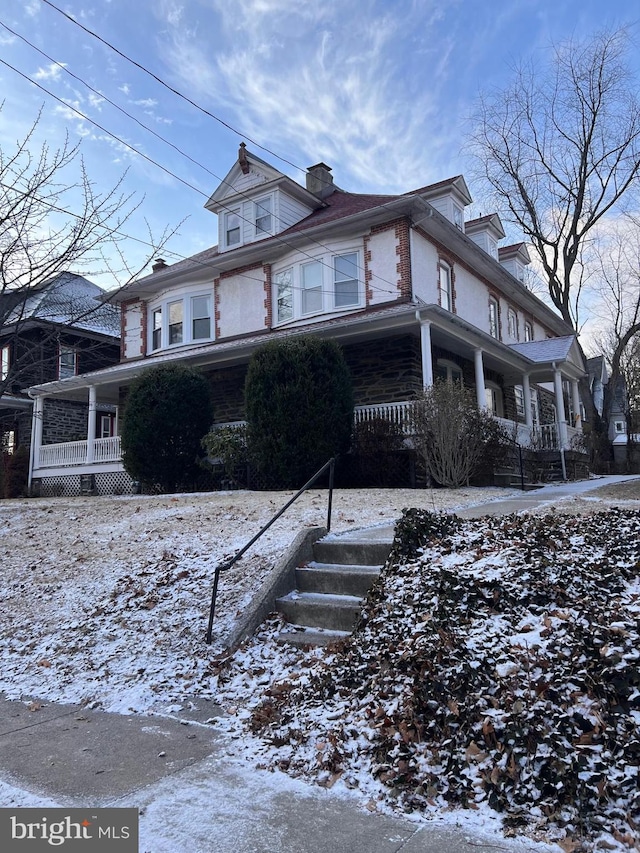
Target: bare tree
(53,220)
(560,150)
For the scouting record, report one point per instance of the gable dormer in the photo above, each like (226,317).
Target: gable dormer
(515,259)
(449,197)
(255,201)
(486,232)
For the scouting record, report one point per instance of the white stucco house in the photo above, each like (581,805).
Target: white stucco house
(410,289)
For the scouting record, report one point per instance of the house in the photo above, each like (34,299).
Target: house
(409,288)
(60,329)
(618,430)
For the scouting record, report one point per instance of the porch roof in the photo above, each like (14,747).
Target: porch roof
(448,331)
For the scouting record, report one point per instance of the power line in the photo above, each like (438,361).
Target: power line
(171,88)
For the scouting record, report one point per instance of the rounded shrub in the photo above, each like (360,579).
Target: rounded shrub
(167,413)
(299,405)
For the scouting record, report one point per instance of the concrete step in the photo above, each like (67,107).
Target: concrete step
(334,579)
(348,552)
(318,610)
(298,635)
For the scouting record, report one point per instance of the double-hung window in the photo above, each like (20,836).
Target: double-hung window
(494,318)
(518,391)
(284,295)
(232,228)
(512,324)
(345,279)
(311,280)
(156,329)
(5,362)
(263,210)
(67,362)
(528,331)
(444,286)
(176,312)
(200,318)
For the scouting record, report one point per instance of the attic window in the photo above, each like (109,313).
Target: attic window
(67,362)
(458,220)
(232,227)
(263,214)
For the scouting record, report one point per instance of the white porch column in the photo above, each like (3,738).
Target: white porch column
(36,436)
(526,392)
(91,423)
(560,414)
(575,402)
(481,394)
(425,351)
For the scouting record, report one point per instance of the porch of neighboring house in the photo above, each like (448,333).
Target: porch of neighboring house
(531,389)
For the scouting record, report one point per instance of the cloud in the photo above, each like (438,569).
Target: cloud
(126,88)
(50,72)
(325,80)
(146,102)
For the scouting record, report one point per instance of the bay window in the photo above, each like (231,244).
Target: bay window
(306,288)
(183,320)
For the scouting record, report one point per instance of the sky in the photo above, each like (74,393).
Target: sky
(380,90)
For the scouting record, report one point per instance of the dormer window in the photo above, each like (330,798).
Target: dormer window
(263,211)
(458,217)
(232,228)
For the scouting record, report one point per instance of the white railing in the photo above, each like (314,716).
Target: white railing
(75,453)
(520,433)
(546,437)
(396,413)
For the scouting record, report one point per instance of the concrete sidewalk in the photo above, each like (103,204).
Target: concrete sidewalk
(195,793)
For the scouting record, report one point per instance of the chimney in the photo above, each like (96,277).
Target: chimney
(320,180)
(158,265)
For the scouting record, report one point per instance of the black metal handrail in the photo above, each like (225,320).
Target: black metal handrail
(223,567)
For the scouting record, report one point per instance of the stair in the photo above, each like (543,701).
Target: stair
(330,590)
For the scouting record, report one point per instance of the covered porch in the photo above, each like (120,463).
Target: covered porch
(531,388)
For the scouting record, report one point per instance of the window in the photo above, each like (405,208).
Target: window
(535,408)
(458,217)
(330,283)
(345,279)
(67,362)
(619,426)
(200,318)
(156,329)
(232,228)
(106,426)
(528,331)
(448,371)
(262,212)
(518,392)
(494,399)
(311,287)
(512,324)
(493,248)
(284,295)
(175,322)
(494,318)
(5,362)
(444,286)
(181,321)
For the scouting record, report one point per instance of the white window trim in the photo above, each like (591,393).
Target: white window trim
(445,292)
(224,236)
(493,303)
(451,367)
(493,389)
(62,350)
(328,289)
(512,324)
(259,212)
(528,330)
(619,427)
(518,393)
(5,362)
(162,305)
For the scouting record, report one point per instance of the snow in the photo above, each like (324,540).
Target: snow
(105,602)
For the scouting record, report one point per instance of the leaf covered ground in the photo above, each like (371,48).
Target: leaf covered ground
(496,667)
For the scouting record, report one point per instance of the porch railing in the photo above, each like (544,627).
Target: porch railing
(396,413)
(76,453)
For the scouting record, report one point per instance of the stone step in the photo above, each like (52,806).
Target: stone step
(336,579)
(318,610)
(348,552)
(298,635)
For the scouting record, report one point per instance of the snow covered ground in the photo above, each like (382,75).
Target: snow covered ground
(105,601)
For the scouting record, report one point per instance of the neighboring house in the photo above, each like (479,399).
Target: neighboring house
(58,330)
(617,428)
(410,290)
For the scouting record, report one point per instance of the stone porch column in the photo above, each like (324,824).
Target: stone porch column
(560,413)
(37,419)
(575,402)
(481,394)
(526,392)
(91,424)
(425,352)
